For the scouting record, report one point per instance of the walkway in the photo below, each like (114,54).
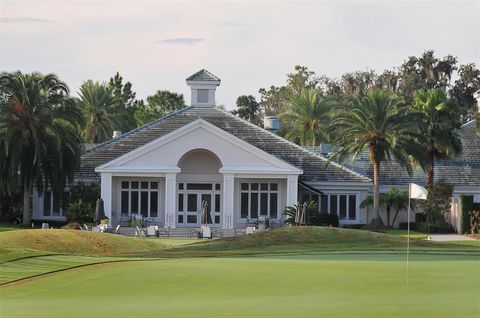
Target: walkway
(450,237)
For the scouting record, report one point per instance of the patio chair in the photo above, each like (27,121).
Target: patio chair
(148,221)
(194,233)
(165,232)
(218,233)
(139,231)
(117,229)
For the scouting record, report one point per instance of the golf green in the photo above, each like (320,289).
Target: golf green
(321,285)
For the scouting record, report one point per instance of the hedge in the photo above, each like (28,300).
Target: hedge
(434,228)
(466,206)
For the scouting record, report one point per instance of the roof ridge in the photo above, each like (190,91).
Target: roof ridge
(128,133)
(297,146)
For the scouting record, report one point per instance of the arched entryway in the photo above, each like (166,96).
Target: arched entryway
(199,183)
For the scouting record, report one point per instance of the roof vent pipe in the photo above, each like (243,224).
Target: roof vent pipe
(271,123)
(116,134)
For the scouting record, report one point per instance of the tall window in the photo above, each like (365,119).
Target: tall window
(53,204)
(344,205)
(139,197)
(259,200)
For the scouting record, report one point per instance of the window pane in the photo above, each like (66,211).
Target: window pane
(134,202)
(217,202)
(244,205)
(199,186)
(124,205)
(144,185)
(124,184)
(254,205)
(273,187)
(153,203)
(134,184)
(333,204)
(180,186)
(244,186)
(180,218)
(217,186)
(153,185)
(56,206)
(273,206)
(343,207)
(352,207)
(254,186)
(324,204)
(180,202)
(264,204)
(144,203)
(191,219)
(315,199)
(264,186)
(47,200)
(192,202)
(217,219)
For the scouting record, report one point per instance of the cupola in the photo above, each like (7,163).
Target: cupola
(203,85)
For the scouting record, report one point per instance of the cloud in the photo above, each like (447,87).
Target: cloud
(231,24)
(23,20)
(181,41)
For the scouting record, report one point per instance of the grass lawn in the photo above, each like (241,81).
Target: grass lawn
(327,285)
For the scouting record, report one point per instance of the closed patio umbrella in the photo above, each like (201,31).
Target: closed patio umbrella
(303,214)
(297,214)
(203,212)
(99,211)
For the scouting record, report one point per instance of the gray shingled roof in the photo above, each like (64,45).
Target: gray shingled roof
(313,165)
(461,170)
(203,75)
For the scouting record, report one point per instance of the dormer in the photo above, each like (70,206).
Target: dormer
(203,85)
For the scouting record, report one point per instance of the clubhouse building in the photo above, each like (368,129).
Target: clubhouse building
(204,156)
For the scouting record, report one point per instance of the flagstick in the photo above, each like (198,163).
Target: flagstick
(408,224)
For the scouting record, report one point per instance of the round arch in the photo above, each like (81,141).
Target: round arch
(199,160)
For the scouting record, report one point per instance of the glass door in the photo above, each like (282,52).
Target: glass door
(191,198)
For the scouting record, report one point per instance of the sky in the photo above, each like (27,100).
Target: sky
(157,44)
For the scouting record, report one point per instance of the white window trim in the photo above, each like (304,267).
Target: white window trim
(338,194)
(149,190)
(213,206)
(259,192)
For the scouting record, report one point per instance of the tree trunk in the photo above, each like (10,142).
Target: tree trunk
(376,192)
(388,216)
(27,193)
(395,217)
(429,173)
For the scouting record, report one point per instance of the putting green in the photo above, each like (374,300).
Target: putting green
(322,285)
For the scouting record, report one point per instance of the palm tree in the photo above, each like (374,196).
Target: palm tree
(308,117)
(393,199)
(39,134)
(377,121)
(440,118)
(100,110)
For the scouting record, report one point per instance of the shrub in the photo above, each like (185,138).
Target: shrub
(354,226)
(434,228)
(80,211)
(474,222)
(404,226)
(466,205)
(324,219)
(437,205)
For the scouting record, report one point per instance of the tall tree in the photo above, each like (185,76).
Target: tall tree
(425,72)
(101,111)
(158,105)
(465,86)
(249,109)
(379,122)
(39,134)
(440,118)
(308,117)
(125,99)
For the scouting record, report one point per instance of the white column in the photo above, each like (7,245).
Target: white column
(228,195)
(292,189)
(106,194)
(170,199)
